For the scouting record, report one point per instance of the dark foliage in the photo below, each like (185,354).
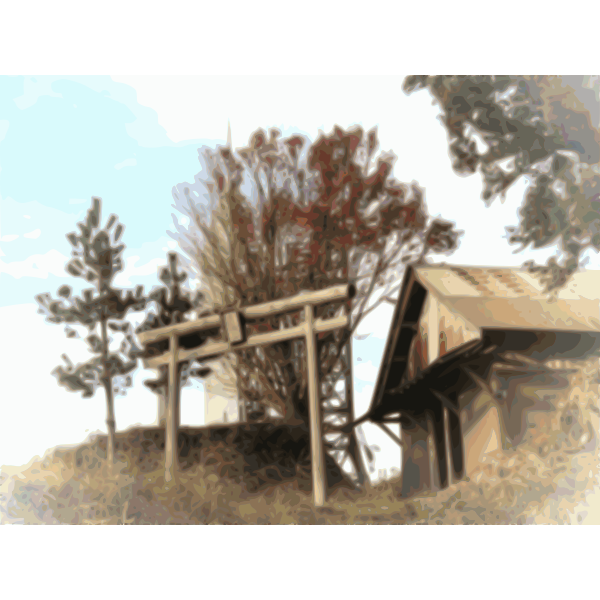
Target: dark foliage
(543,128)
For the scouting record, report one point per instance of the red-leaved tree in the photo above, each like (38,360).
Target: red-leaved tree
(284,215)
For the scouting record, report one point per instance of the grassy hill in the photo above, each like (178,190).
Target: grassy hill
(260,475)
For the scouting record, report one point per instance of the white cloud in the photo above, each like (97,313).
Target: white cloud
(377,323)
(35,88)
(289,101)
(33,235)
(27,216)
(37,265)
(8,238)
(130,162)
(362,399)
(131,270)
(366,392)
(171,245)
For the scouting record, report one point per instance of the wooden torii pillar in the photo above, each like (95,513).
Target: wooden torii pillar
(232,324)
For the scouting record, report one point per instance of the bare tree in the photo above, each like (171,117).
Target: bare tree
(284,215)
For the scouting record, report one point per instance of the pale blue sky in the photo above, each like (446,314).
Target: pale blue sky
(130,140)
(63,141)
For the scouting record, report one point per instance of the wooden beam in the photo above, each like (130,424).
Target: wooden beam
(207,351)
(433,334)
(439,439)
(234,327)
(408,293)
(155,335)
(456,446)
(276,307)
(445,402)
(267,309)
(319,481)
(231,324)
(354,452)
(399,359)
(416,468)
(172,428)
(271,337)
(161,420)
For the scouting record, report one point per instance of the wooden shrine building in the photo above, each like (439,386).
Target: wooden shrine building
(453,328)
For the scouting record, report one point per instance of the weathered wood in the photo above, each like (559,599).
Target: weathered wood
(203,323)
(354,452)
(277,307)
(267,309)
(439,439)
(314,411)
(433,335)
(233,326)
(456,446)
(307,330)
(258,339)
(406,318)
(172,428)
(416,471)
(445,402)
(161,419)
(242,414)
(325,325)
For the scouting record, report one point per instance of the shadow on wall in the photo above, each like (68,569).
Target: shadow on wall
(514,404)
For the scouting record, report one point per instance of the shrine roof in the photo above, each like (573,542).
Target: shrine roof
(509,298)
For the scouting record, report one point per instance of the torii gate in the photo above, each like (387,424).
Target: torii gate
(233,324)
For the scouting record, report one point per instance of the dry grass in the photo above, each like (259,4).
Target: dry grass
(551,477)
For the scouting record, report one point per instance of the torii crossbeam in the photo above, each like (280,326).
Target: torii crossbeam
(232,324)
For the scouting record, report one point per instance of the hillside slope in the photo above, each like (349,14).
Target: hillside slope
(260,475)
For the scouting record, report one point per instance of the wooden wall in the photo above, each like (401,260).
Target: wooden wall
(440,331)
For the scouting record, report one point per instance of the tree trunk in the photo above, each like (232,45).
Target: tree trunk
(111,424)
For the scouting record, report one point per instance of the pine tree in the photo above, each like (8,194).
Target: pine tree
(96,257)
(542,128)
(170,301)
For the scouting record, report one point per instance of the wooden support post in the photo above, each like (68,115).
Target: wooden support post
(353,446)
(434,474)
(242,416)
(447,447)
(172,428)
(319,481)
(236,335)
(456,446)
(420,471)
(161,420)
(439,439)
(416,473)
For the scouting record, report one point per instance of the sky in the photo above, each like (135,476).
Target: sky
(130,140)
